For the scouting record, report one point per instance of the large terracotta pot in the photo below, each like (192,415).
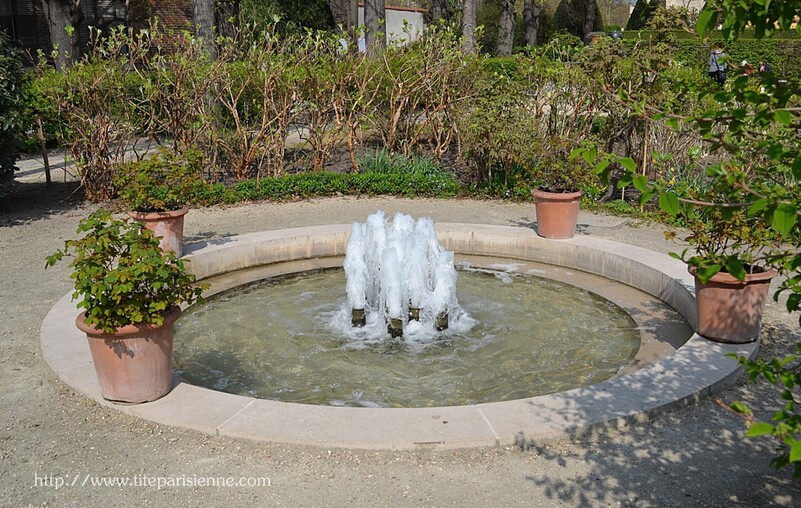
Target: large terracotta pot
(730,310)
(134,364)
(169,226)
(557,213)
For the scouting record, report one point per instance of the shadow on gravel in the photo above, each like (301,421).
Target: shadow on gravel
(205,238)
(21,203)
(581,229)
(685,457)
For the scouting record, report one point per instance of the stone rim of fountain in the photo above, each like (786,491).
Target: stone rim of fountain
(696,369)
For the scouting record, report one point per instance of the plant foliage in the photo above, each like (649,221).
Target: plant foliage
(163,182)
(10,92)
(121,275)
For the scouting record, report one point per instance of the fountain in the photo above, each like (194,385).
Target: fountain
(382,288)
(671,367)
(401,337)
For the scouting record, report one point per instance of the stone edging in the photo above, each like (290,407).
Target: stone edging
(693,371)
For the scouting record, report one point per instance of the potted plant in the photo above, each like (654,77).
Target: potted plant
(130,290)
(559,181)
(156,189)
(732,253)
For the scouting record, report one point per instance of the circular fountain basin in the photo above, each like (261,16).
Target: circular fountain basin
(672,370)
(516,334)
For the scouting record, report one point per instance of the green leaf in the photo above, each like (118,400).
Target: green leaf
(796,167)
(705,20)
(629,164)
(783,117)
(625,180)
(647,196)
(757,206)
(669,203)
(793,302)
(640,183)
(601,169)
(735,268)
(795,451)
(784,218)
(740,407)
(588,154)
(705,273)
(759,429)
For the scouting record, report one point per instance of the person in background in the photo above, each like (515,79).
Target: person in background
(746,69)
(717,65)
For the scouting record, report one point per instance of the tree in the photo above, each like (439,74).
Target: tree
(228,17)
(375,26)
(437,11)
(576,18)
(643,10)
(339,10)
(590,14)
(531,20)
(345,14)
(506,28)
(293,15)
(205,22)
(469,25)
(63,19)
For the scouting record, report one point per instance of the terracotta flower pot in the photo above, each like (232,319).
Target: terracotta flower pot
(557,213)
(169,226)
(730,310)
(133,365)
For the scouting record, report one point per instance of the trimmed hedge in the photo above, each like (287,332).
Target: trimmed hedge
(308,185)
(714,36)
(782,50)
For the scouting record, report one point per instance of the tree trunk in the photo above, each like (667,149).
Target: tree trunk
(589,19)
(204,21)
(506,28)
(437,11)
(531,20)
(353,24)
(339,10)
(345,13)
(469,25)
(374,24)
(228,16)
(64,18)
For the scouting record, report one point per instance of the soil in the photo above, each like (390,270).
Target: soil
(57,448)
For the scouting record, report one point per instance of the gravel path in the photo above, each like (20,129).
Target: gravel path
(51,437)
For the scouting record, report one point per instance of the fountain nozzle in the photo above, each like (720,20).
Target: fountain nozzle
(395,328)
(358,318)
(442,321)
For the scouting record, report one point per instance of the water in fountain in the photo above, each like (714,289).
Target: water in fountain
(400,280)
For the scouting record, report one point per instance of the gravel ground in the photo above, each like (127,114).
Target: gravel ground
(56,446)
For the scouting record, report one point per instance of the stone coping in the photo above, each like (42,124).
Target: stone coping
(696,369)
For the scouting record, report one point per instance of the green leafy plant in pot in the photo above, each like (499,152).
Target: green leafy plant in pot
(736,241)
(130,290)
(733,249)
(559,180)
(156,189)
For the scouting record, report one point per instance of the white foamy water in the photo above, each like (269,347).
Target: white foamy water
(390,268)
